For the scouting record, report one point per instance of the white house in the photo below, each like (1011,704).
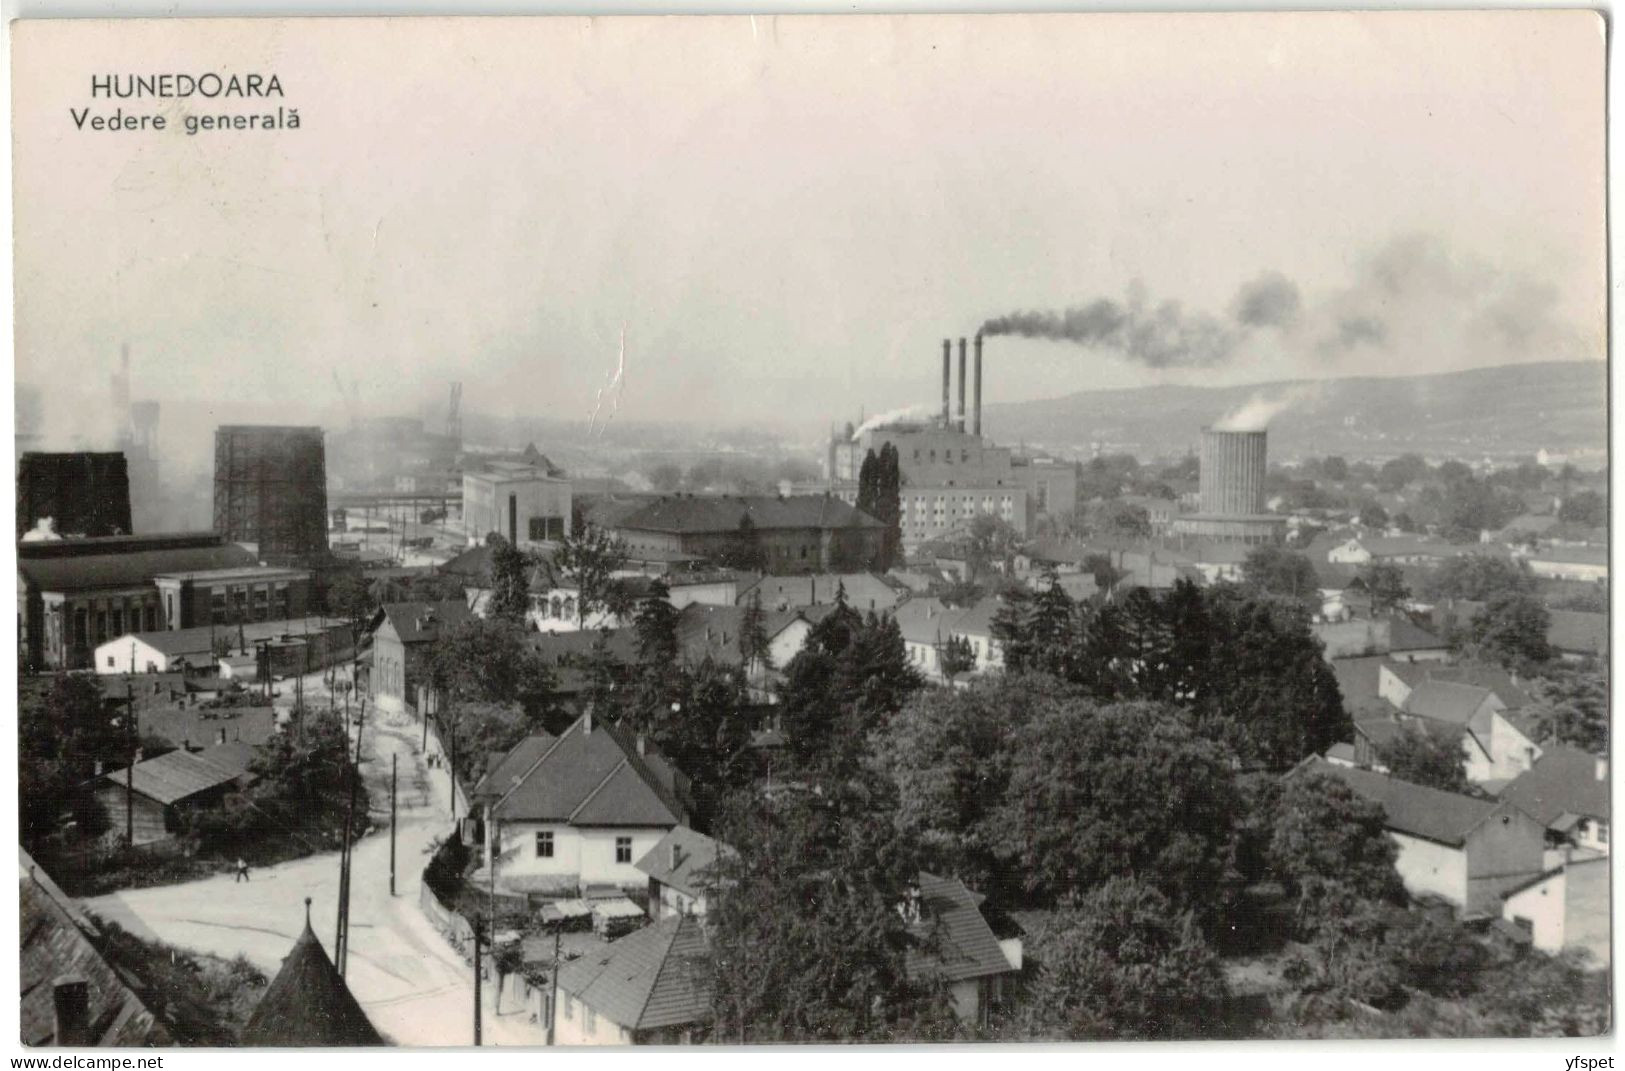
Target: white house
(681,870)
(562,814)
(960,947)
(1495,748)
(652,987)
(1567,792)
(555,608)
(1570,563)
(975,626)
(926,624)
(1566,909)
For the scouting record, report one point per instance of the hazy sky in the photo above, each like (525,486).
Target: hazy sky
(787,215)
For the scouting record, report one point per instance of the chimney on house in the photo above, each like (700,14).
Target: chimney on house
(961,422)
(676,855)
(1602,768)
(222,736)
(586,721)
(70,1001)
(976,418)
(643,744)
(947,379)
(98,767)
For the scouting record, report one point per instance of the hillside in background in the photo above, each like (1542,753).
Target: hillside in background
(1514,410)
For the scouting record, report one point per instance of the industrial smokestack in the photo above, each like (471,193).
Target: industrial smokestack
(976,419)
(961,383)
(947,377)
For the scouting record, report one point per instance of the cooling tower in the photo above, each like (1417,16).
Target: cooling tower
(1232,474)
(270,489)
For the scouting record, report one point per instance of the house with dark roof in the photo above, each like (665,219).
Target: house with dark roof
(1496,743)
(73,594)
(957,945)
(651,987)
(1464,851)
(403,635)
(681,870)
(1410,642)
(307,1004)
(926,624)
(796,534)
(975,626)
(864,591)
(154,795)
(1566,791)
(1576,635)
(1566,909)
(1395,679)
(70,995)
(579,810)
(1582,562)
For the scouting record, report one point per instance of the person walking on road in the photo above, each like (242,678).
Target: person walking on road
(242,871)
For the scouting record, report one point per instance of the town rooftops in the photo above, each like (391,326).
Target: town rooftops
(1571,555)
(683,859)
(178,775)
(925,620)
(200,640)
(714,630)
(1405,635)
(964,945)
(1429,813)
(123,561)
(1493,678)
(1447,701)
(419,622)
(592,775)
(58,940)
(507,770)
(307,1004)
(724,513)
(864,591)
(1564,780)
(659,976)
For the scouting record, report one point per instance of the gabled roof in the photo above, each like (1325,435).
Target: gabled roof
(507,770)
(178,775)
(1493,678)
(1416,810)
(308,1005)
(694,855)
(925,620)
(577,645)
(978,619)
(593,775)
(1447,701)
(1405,635)
(965,946)
(57,939)
(723,513)
(659,976)
(714,630)
(1563,781)
(420,622)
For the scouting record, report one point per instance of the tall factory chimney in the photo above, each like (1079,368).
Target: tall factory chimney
(961,383)
(976,418)
(947,376)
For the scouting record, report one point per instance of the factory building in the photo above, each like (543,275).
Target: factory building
(83,494)
(74,594)
(1232,491)
(950,473)
(241,595)
(521,502)
(799,534)
(270,491)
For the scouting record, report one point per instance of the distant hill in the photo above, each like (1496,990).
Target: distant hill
(1559,406)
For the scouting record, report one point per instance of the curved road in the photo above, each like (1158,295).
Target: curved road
(415,988)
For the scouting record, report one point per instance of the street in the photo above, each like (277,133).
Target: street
(415,988)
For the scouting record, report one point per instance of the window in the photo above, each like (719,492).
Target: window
(1602,832)
(109,661)
(623,849)
(592,1019)
(569,1006)
(544,844)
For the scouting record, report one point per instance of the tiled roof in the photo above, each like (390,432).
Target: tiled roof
(178,775)
(56,939)
(714,630)
(723,513)
(507,770)
(577,645)
(978,619)
(1493,678)
(864,591)
(1577,632)
(1416,810)
(925,620)
(419,622)
(308,1005)
(594,776)
(959,942)
(1446,701)
(693,853)
(127,565)
(659,976)
(175,643)
(1404,635)
(1563,781)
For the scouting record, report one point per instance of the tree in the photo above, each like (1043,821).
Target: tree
(1422,758)
(350,598)
(744,549)
(1571,707)
(510,579)
(754,646)
(1120,961)
(1385,583)
(1115,519)
(992,542)
(836,968)
(1334,468)
(656,628)
(851,674)
(1273,570)
(589,562)
(1330,849)
(1587,509)
(488,663)
(1511,629)
(888,506)
(1096,792)
(1477,577)
(1473,506)
(1401,471)
(704,733)
(1372,515)
(955,655)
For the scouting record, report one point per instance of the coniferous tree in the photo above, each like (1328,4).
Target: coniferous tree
(510,579)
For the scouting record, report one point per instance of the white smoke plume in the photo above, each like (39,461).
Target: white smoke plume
(1256,412)
(895,416)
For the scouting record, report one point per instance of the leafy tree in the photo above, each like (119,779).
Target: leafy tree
(1587,509)
(1421,758)
(1115,519)
(1404,522)
(868,483)
(510,579)
(1571,707)
(1120,961)
(1330,849)
(1385,583)
(1453,472)
(1272,570)
(744,550)
(889,506)
(1510,629)
(704,732)
(1473,506)
(992,542)
(1104,570)
(1335,469)
(589,562)
(1477,577)
(851,674)
(1372,515)
(350,597)
(1100,791)
(955,655)
(1401,471)
(656,628)
(486,663)
(835,968)
(754,645)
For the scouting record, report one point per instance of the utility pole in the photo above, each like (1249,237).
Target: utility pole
(129,771)
(394,767)
(553,995)
(477,1009)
